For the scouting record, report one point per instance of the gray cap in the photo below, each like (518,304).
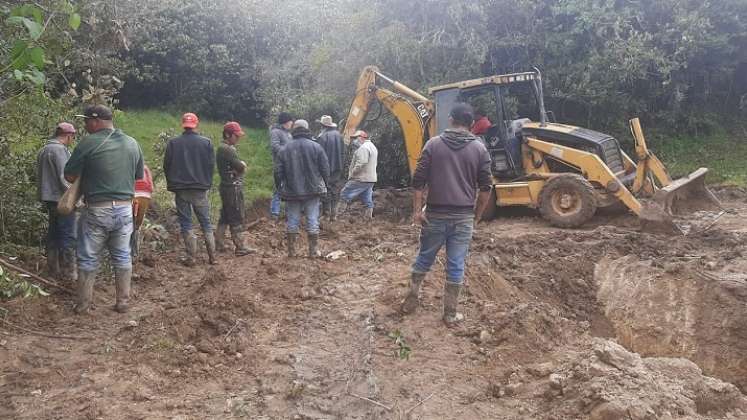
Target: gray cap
(301,124)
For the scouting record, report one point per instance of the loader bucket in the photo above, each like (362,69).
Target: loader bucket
(681,206)
(687,195)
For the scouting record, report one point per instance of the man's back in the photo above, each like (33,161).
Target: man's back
(303,168)
(331,141)
(453,165)
(109,162)
(189,162)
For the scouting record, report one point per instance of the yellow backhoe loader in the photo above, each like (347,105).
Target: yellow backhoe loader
(566,172)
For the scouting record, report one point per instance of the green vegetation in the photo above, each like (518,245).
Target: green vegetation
(722,152)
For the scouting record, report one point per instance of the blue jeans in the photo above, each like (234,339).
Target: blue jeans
(275,203)
(108,227)
(186,201)
(61,232)
(355,189)
(310,208)
(456,234)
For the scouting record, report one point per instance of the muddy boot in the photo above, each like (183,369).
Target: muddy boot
(122,281)
(220,237)
(333,211)
(368,215)
(53,263)
(210,246)
(412,301)
(342,206)
(85,291)
(292,238)
(190,245)
(238,241)
(314,245)
(451,300)
(68,266)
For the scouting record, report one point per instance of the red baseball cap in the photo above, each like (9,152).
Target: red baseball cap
(190,120)
(232,127)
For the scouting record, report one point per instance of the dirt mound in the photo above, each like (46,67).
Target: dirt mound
(607,382)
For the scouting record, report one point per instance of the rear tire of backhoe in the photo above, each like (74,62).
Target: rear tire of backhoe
(567,201)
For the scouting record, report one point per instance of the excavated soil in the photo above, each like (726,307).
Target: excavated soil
(602,323)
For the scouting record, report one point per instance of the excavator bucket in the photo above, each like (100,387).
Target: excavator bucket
(684,206)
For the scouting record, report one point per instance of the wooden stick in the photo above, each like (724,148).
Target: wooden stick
(42,334)
(36,277)
(420,403)
(371,401)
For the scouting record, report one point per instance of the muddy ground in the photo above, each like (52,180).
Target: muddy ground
(602,323)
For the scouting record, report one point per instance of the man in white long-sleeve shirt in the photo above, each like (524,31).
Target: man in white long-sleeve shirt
(361,176)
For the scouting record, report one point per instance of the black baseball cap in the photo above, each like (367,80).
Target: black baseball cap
(96,112)
(463,114)
(284,117)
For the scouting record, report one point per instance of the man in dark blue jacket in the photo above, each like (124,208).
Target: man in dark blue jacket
(302,172)
(331,141)
(188,164)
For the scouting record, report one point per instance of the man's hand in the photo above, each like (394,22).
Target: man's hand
(419,219)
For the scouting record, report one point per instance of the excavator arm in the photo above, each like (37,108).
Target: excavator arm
(412,110)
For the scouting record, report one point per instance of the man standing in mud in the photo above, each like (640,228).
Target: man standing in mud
(301,174)
(361,175)
(231,170)
(108,162)
(188,165)
(280,135)
(452,167)
(51,184)
(331,141)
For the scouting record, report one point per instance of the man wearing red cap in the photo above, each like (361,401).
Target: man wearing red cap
(188,165)
(51,184)
(231,170)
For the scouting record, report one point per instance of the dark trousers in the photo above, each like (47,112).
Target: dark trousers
(233,209)
(61,232)
(329,202)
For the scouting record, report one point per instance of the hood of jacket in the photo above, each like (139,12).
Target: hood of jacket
(457,139)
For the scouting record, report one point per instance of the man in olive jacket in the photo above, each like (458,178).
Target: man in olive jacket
(188,165)
(302,172)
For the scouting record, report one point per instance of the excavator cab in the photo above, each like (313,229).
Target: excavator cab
(504,138)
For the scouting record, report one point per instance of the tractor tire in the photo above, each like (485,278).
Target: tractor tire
(491,211)
(567,201)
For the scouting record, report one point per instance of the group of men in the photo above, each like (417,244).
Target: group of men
(309,175)
(452,185)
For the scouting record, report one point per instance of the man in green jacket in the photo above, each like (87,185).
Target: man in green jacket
(109,162)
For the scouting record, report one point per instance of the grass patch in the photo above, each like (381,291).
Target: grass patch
(722,152)
(146,125)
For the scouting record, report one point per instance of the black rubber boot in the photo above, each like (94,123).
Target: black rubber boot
(85,291)
(237,236)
